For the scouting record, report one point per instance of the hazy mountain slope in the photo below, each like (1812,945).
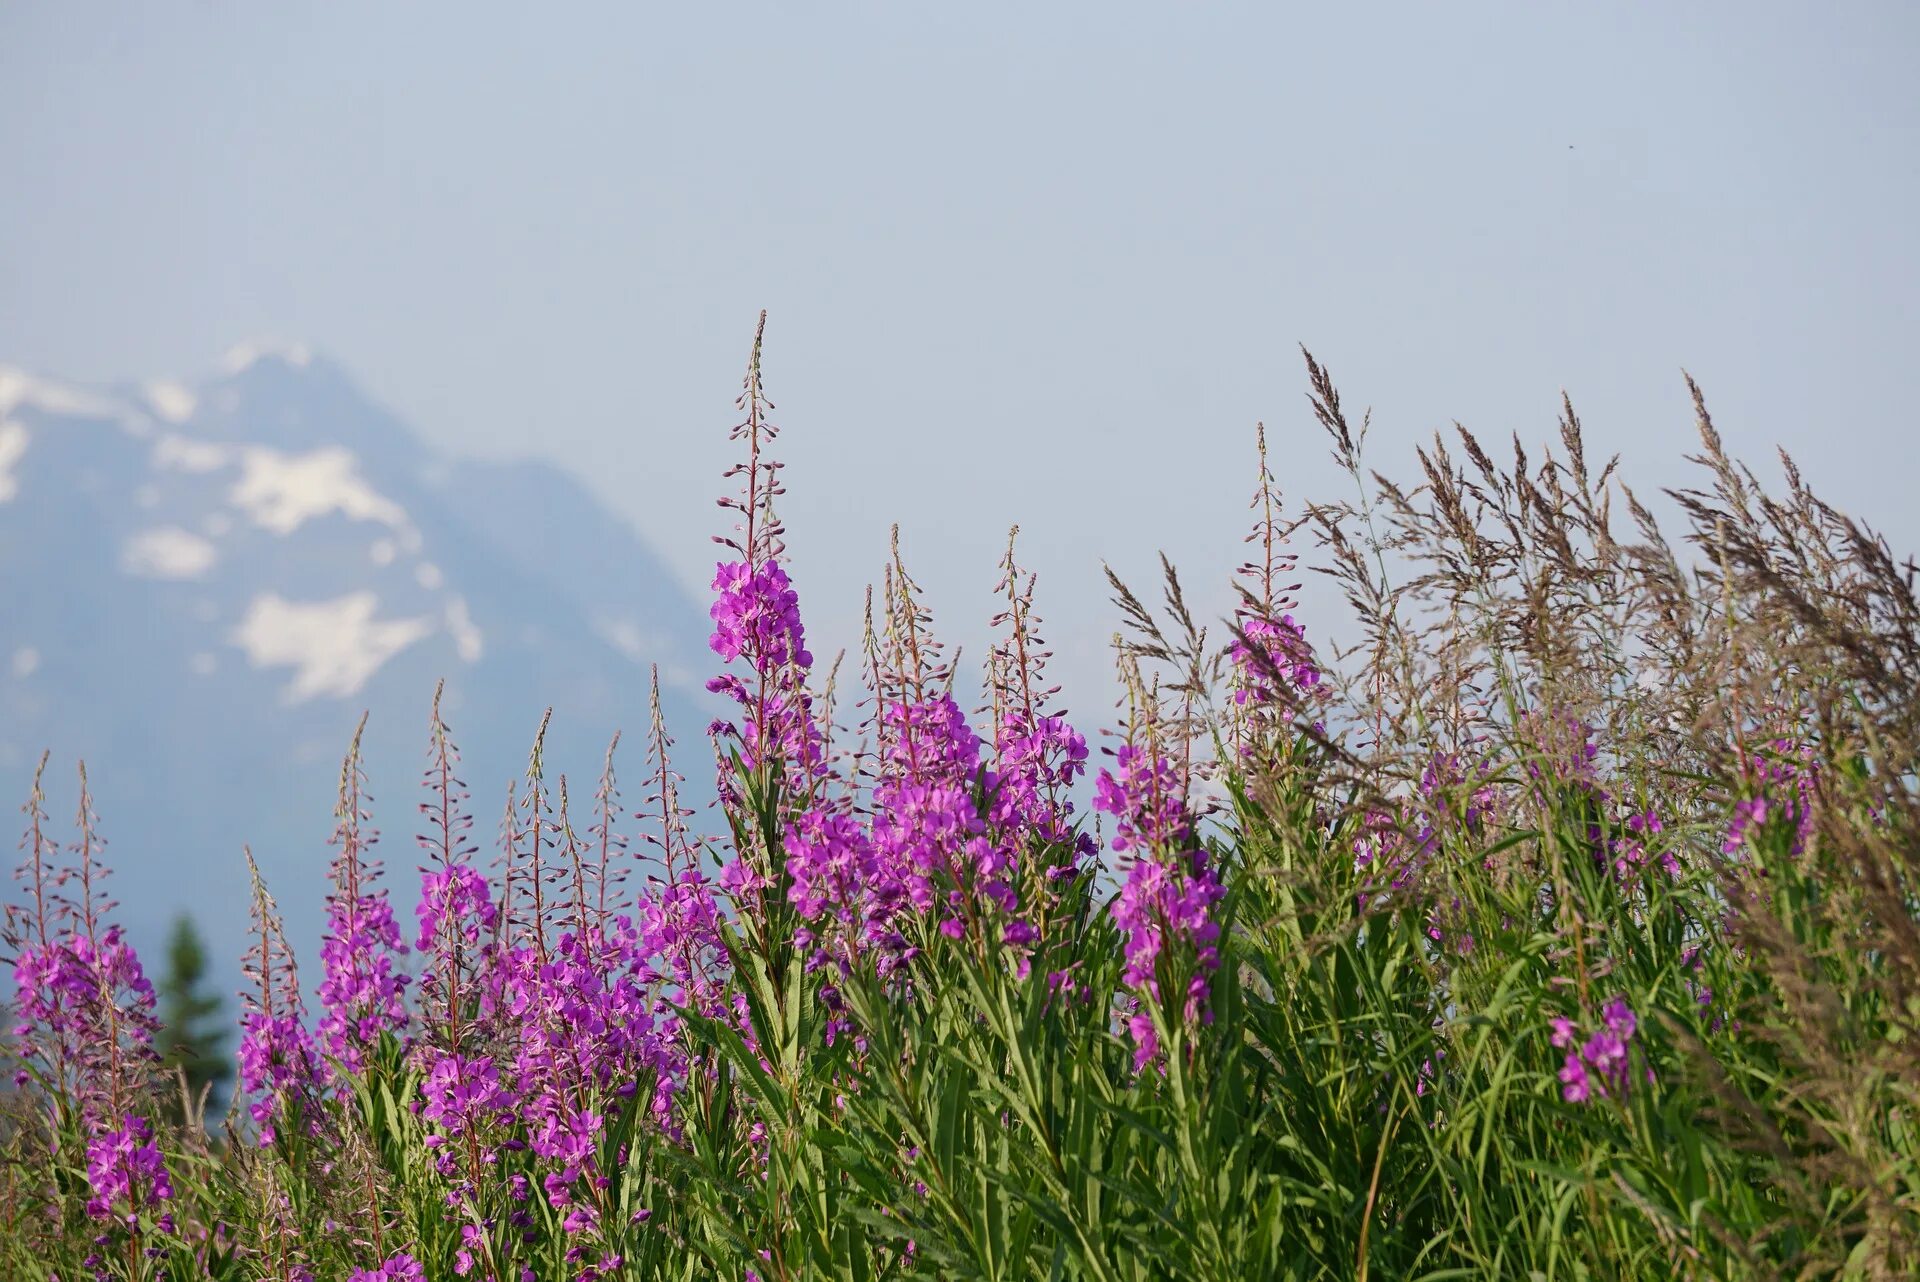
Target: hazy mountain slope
(204,586)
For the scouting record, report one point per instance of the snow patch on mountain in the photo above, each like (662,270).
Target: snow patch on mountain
(167,552)
(13,447)
(176,453)
(332,646)
(17,388)
(241,355)
(25,661)
(171,401)
(281,492)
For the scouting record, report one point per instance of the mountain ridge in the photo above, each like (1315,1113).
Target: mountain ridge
(208,582)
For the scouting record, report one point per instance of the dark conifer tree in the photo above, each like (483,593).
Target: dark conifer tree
(192,1038)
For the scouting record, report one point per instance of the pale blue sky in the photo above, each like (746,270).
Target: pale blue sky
(1044,263)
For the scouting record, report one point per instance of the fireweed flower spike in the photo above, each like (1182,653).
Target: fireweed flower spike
(43,1031)
(1166,906)
(126,1171)
(84,1023)
(279,1063)
(756,614)
(456,911)
(675,918)
(1038,756)
(1275,677)
(360,987)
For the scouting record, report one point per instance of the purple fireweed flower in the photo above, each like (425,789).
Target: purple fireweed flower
(125,1170)
(1780,786)
(360,989)
(463,1095)
(1168,901)
(455,898)
(1599,1065)
(590,1024)
(84,1006)
(51,985)
(1459,794)
(395,1268)
(1604,1050)
(1274,652)
(1146,1039)
(1171,888)
(360,985)
(279,1063)
(1037,762)
(833,865)
(757,618)
(757,614)
(1563,750)
(1640,845)
(1147,798)
(931,837)
(1575,1088)
(1749,815)
(1620,1018)
(84,1009)
(678,921)
(1427,1077)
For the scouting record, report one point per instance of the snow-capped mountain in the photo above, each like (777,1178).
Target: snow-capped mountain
(204,586)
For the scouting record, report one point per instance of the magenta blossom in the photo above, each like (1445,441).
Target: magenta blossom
(395,1268)
(278,1062)
(457,895)
(126,1170)
(1598,1065)
(1171,888)
(757,614)
(1278,654)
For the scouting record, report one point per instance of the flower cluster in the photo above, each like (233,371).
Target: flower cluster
(1780,787)
(1274,663)
(1171,890)
(361,986)
(1597,1065)
(84,1010)
(279,1063)
(942,841)
(395,1268)
(1641,845)
(1147,797)
(678,922)
(360,989)
(126,1171)
(456,900)
(463,1096)
(756,613)
(756,617)
(1040,759)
